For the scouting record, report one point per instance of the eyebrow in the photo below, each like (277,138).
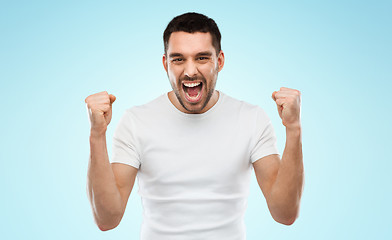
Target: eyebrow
(206,53)
(175,55)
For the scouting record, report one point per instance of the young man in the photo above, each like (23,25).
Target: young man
(193,148)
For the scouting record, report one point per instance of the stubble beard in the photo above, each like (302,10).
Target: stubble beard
(210,92)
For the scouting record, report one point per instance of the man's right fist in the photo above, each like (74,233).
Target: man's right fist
(99,106)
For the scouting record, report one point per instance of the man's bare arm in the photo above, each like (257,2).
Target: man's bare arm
(282,180)
(108,185)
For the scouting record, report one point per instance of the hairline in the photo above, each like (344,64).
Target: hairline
(166,45)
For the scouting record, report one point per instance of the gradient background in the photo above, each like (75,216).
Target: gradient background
(56,53)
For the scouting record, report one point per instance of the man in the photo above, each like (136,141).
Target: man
(193,148)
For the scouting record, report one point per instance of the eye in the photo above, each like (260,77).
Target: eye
(202,58)
(177,60)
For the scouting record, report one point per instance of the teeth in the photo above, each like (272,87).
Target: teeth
(191,84)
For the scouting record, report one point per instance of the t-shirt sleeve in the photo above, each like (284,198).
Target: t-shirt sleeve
(264,139)
(124,145)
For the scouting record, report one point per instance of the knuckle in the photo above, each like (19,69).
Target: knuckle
(103,93)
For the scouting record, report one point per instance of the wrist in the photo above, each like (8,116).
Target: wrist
(294,129)
(94,134)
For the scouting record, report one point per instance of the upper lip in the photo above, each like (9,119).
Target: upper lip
(196,81)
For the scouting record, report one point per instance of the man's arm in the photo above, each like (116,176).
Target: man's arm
(108,185)
(281,181)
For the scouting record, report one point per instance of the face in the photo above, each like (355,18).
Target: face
(192,66)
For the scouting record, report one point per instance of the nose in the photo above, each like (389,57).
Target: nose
(190,69)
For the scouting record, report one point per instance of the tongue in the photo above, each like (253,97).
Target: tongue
(193,91)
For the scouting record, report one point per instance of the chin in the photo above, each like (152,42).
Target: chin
(194,108)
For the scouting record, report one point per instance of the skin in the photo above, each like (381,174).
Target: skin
(109,185)
(191,57)
(281,180)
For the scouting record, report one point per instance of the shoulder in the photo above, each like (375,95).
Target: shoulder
(151,107)
(242,107)
(137,116)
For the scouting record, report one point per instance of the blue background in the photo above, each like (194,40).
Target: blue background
(56,53)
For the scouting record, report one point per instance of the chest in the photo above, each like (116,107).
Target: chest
(197,156)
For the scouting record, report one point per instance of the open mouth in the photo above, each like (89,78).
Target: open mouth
(193,91)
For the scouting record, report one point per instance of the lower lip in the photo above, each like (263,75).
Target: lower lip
(194,99)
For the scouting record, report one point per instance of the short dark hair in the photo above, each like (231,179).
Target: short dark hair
(193,22)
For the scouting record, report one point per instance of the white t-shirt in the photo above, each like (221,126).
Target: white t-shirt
(194,169)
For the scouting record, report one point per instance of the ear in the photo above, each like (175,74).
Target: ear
(164,61)
(221,60)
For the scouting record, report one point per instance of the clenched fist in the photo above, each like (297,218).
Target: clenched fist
(288,102)
(99,107)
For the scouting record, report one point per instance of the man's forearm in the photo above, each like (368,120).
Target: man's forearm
(102,190)
(287,189)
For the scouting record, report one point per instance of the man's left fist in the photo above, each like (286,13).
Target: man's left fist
(288,102)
